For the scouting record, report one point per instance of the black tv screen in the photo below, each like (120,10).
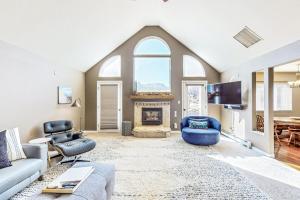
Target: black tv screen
(225,93)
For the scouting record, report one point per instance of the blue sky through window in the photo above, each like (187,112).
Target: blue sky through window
(152,73)
(152,46)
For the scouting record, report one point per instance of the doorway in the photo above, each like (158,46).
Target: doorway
(194,98)
(109,106)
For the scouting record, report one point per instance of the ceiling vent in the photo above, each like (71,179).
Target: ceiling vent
(247,37)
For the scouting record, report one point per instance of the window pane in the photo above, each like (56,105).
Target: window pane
(152,74)
(152,46)
(283,97)
(111,67)
(260,96)
(192,67)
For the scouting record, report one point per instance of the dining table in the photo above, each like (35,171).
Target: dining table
(287,121)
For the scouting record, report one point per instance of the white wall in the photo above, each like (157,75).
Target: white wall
(243,72)
(28,91)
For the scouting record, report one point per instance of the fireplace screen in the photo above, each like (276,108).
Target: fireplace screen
(152,116)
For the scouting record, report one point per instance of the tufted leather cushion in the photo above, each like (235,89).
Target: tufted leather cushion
(61,137)
(76,147)
(57,126)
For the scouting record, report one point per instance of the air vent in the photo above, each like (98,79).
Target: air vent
(247,37)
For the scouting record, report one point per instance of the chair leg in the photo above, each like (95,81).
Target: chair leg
(291,137)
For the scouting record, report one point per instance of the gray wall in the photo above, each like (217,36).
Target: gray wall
(28,86)
(243,72)
(126,52)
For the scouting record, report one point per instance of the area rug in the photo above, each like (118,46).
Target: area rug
(162,169)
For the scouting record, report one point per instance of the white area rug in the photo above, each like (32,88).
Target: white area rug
(168,168)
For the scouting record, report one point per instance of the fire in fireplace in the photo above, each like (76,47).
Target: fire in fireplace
(151,116)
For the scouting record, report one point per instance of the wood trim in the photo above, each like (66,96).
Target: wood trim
(152,96)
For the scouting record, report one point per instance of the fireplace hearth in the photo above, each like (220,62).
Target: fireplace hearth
(152,116)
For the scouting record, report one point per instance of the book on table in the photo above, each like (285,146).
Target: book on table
(69,181)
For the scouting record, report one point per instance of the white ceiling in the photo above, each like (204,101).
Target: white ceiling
(79,33)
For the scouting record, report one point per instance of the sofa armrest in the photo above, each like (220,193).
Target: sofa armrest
(215,124)
(37,151)
(184,123)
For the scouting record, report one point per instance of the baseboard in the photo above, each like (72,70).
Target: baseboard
(263,152)
(245,143)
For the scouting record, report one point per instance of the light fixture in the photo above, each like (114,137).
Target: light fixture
(247,37)
(296,84)
(77,104)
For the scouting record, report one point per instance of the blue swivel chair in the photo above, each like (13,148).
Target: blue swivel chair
(203,137)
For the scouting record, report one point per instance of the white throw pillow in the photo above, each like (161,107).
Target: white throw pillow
(14,147)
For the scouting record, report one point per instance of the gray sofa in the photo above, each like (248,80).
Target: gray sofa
(23,172)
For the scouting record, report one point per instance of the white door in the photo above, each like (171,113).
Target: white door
(109,106)
(194,98)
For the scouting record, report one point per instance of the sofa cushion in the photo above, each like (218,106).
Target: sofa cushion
(209,131)
(15,149)
(19,171)
(4,161)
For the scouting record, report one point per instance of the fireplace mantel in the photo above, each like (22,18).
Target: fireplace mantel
(152,96)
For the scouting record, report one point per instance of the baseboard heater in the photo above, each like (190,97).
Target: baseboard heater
(245,143)
(235,107)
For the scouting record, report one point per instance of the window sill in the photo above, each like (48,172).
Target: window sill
(258,133)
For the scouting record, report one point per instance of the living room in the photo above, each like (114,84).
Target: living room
(189,100)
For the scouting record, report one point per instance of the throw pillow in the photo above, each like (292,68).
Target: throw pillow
(198,124)
(4,161)
(199,119)
(15,150)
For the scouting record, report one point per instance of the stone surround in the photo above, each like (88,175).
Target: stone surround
(159,131)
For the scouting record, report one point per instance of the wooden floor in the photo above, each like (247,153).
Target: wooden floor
(288,154)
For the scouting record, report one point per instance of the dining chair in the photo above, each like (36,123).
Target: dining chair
(259,123)
(294,131)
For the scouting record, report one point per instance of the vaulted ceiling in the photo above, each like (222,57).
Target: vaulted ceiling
(79,33)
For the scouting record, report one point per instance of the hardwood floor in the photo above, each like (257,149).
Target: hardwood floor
(288,154)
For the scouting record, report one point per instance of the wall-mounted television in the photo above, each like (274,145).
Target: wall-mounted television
(225,93)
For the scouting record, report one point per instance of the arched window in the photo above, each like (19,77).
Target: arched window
(111,67)
(152,65)
(192,67)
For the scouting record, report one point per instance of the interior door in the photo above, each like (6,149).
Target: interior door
(109,106)
(194,98)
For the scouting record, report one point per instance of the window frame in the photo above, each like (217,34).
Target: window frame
(135,55)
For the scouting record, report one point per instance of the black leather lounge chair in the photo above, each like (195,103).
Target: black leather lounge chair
(67,142)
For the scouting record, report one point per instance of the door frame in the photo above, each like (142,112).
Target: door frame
(120,104)
(193,82)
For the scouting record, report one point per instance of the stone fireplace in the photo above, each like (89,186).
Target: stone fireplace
(152,119)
